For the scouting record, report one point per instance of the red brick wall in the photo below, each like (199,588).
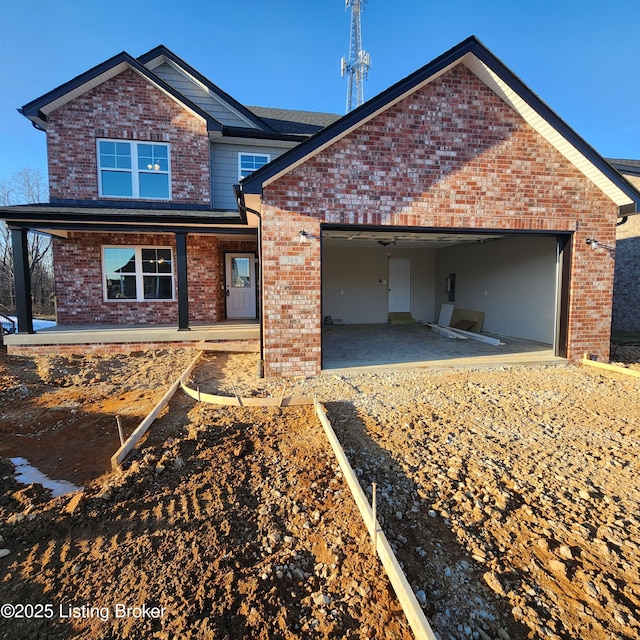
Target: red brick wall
(79,288)
(451,155)
(126,107)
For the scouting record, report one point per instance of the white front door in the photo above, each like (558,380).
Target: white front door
(399,284)
(241,285)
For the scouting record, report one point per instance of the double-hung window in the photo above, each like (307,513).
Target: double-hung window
(132,169)
(137,273)
(249,162)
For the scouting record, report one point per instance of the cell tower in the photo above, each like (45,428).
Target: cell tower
(357,66)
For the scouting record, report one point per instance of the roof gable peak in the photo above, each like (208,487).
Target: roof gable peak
(161,54)
(497,77)
(37,110)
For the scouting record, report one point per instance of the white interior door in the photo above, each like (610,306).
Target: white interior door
(399,284)
(241,285)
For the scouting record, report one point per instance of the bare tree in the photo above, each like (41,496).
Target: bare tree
(7,298)
(27,186)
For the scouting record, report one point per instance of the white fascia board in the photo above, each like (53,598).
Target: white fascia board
(546,130)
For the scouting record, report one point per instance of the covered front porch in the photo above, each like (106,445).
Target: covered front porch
(172,275)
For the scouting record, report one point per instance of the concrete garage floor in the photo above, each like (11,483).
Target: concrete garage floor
(403,346)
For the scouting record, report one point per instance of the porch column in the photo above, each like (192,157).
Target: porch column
(22,280)
(183,287)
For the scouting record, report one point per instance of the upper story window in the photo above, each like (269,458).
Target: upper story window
(249,162)
(131,169)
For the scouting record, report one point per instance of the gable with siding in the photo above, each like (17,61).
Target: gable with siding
(202,96)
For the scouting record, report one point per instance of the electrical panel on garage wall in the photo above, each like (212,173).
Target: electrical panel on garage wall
(451,287)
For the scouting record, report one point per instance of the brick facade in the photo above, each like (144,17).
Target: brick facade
(450,155)
(126,107)
(79,282)
(626,290)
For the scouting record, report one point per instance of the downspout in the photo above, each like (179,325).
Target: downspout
(622,221)
(243,209)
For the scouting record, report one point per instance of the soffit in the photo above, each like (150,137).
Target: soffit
(84,88)
(60,216)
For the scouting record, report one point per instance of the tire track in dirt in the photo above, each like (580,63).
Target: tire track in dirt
(237,523)
(497,475)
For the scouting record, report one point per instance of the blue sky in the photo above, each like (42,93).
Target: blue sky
(580,56)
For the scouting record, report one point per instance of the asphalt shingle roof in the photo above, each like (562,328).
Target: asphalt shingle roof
(625,166)
(294,122)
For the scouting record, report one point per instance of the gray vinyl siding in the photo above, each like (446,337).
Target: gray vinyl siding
(224,170)
(202,98)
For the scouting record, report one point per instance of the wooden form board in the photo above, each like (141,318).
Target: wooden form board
(415,616)
(237,401)
(141,429)
(610,367)
(230,347)
(451,316)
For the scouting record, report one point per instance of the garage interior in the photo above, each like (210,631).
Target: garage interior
(380,287)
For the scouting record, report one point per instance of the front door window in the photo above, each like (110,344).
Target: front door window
(240,272)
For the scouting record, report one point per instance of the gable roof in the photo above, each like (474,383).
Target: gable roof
(490,70)
(160,54)
(37,110)
(261,122)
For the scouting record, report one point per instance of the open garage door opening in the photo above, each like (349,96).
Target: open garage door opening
(382,287)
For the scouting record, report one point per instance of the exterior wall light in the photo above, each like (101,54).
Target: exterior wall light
(592,242)
(303,237)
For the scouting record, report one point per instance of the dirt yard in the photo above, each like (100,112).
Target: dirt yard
(511,497)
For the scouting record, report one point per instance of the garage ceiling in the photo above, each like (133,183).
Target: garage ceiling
(410,239)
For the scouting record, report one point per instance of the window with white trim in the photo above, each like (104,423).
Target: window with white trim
(132,169)
(137,273)
(249,162)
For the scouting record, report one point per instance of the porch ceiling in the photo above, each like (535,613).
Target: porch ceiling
(58,219)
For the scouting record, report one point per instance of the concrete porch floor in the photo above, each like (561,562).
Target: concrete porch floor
(384,346)
(139,334)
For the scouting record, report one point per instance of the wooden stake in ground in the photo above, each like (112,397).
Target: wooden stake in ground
(120,430)
(374,485)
